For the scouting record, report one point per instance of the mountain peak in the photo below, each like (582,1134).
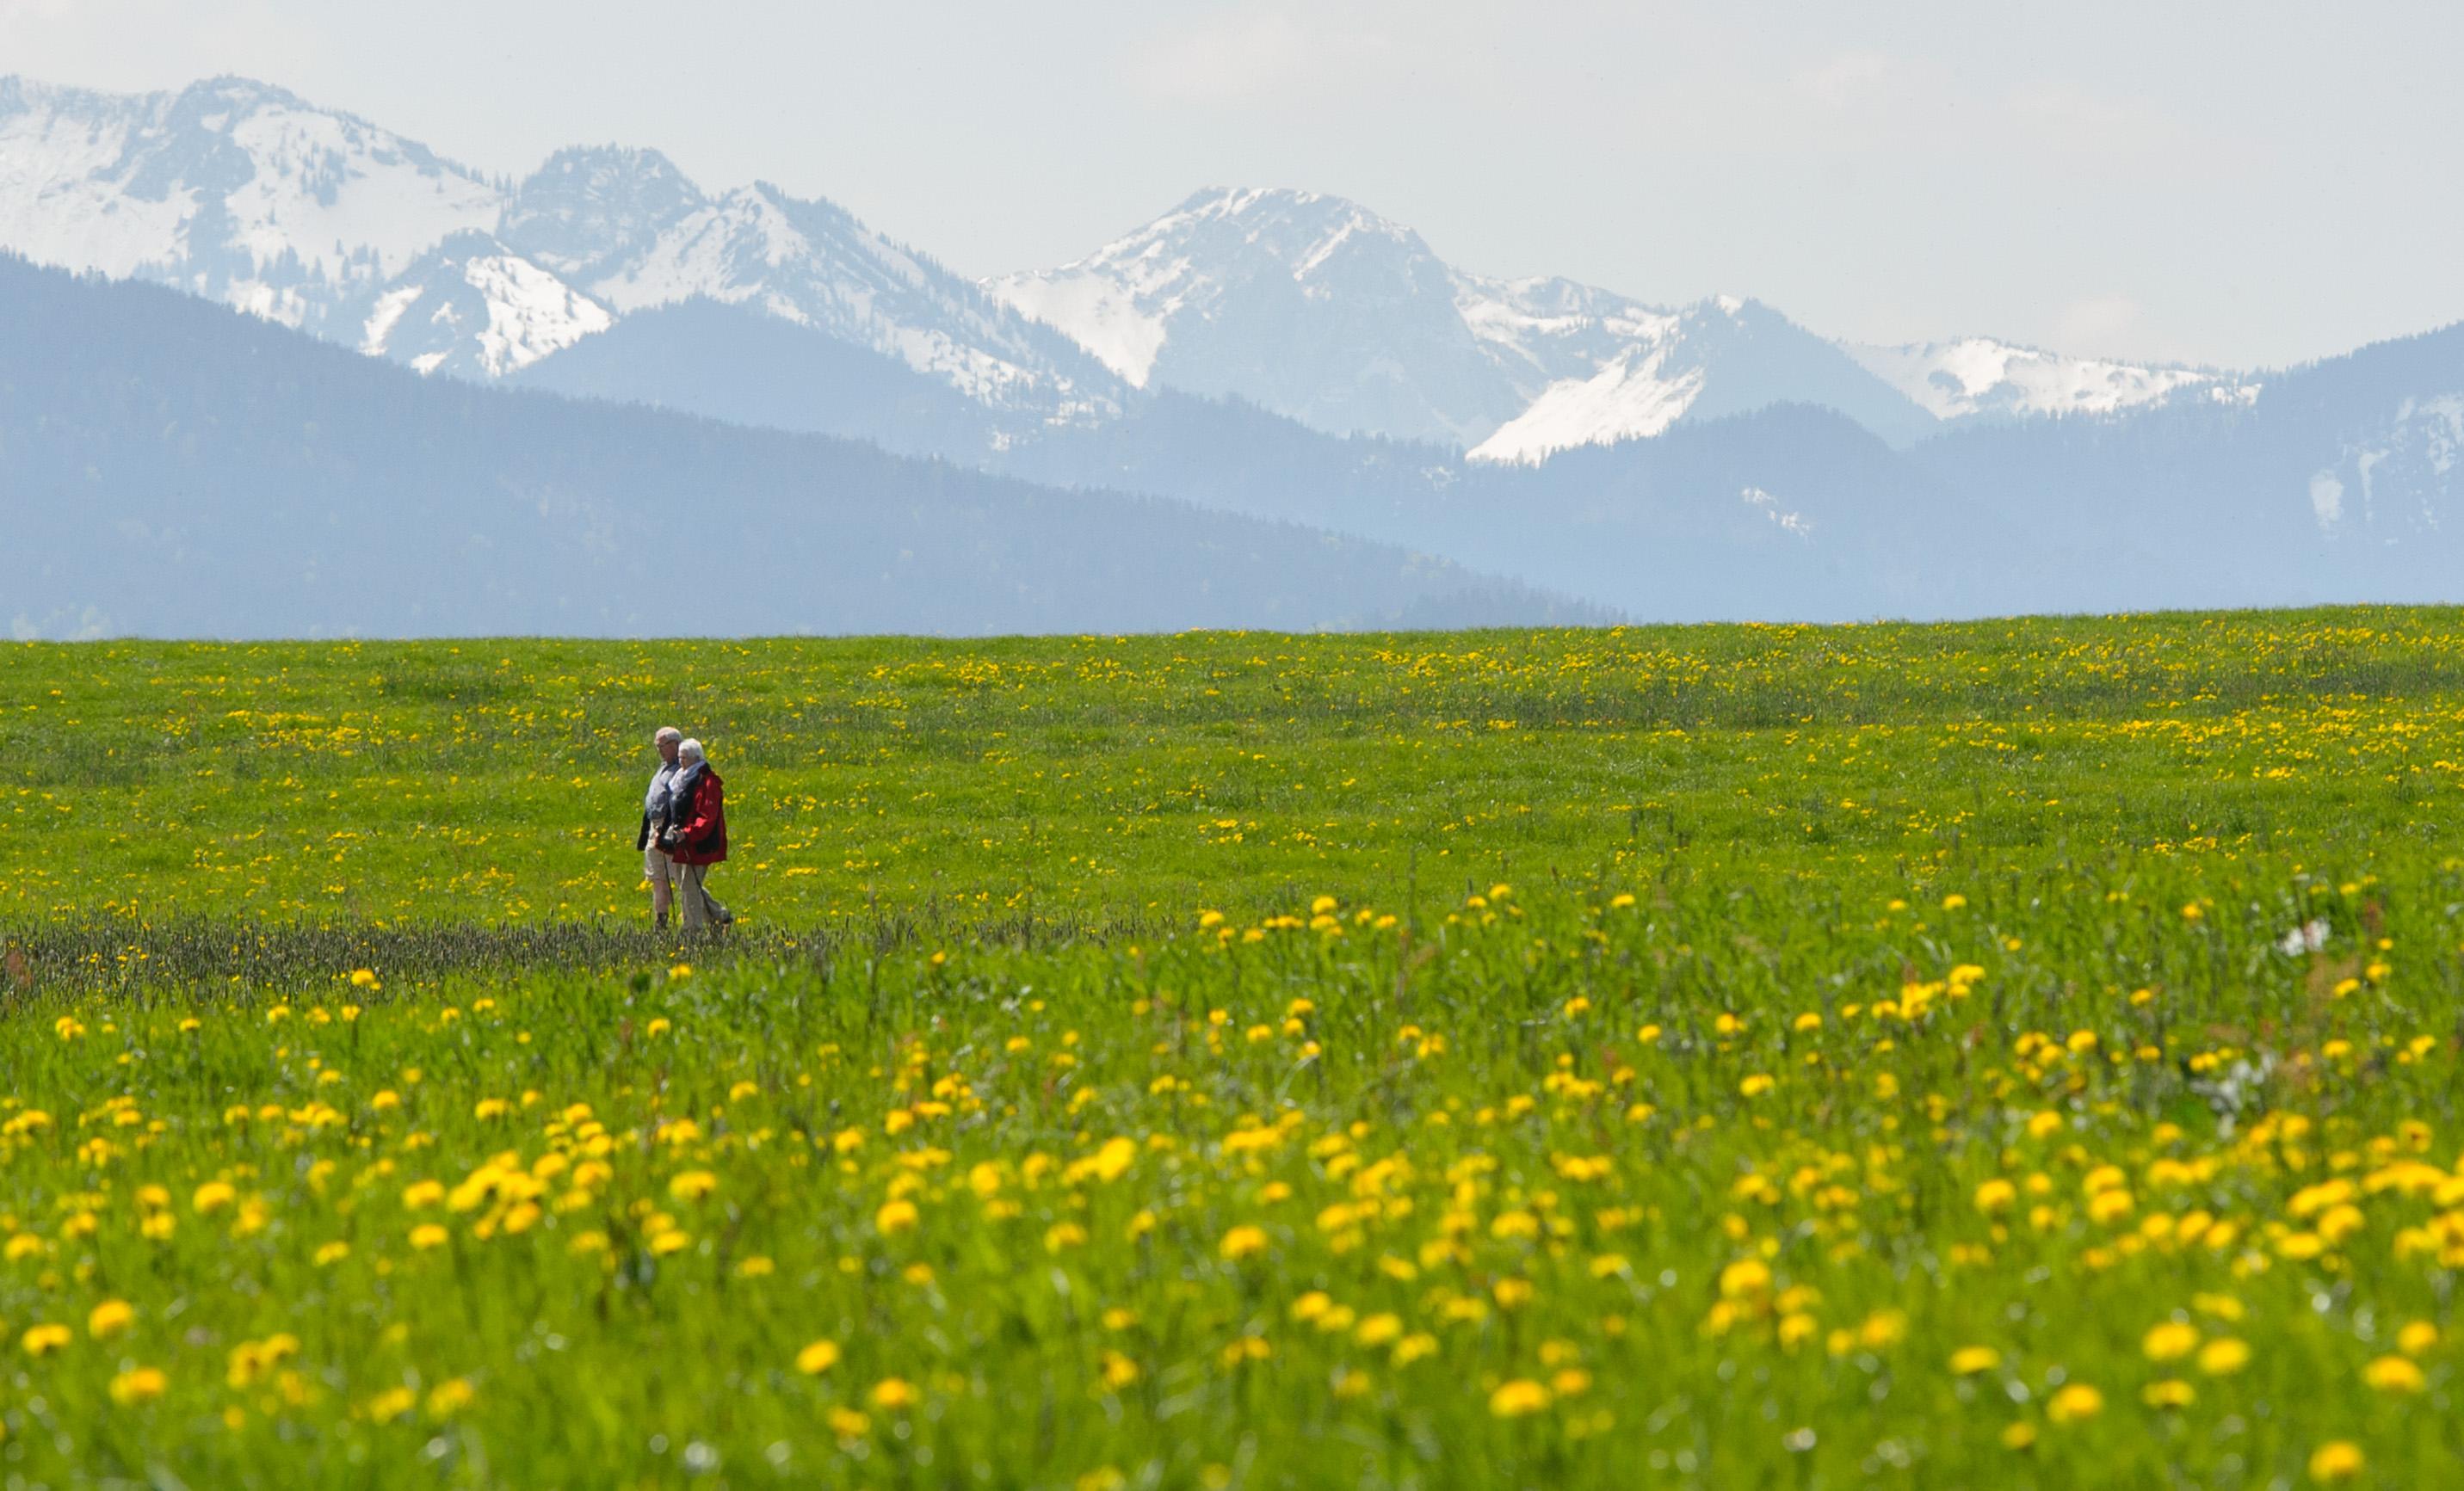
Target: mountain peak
(234,88)
(1303,227)
(1217,250)
(1988,376)
(588,207)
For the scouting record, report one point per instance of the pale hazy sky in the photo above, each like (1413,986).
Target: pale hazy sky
(2245,184)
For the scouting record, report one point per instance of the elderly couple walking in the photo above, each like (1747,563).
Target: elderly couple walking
(683,833)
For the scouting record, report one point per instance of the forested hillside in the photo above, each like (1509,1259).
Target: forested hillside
(173,467)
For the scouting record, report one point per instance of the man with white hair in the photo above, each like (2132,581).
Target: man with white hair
(656,866)
(696,837)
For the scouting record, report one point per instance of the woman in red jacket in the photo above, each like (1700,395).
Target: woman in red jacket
(696,837)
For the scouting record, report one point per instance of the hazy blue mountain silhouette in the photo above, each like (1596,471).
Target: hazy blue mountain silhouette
(1791,511)
(173,467)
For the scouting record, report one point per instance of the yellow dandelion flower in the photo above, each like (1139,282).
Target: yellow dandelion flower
(1242,1242)
(893,1393)
(109,1319)
(818,1358)
(2173,1393)
(2075,1404)
(2395,1374)
(138,1385)
(44,1339)
(2171,1341)
(390,1404)
(1744,1279)
(1518,1399)
(451,1398)
(2337,1462)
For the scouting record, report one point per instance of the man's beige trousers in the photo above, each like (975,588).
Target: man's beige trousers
(661,872)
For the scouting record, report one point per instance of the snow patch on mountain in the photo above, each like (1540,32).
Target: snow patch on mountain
(390,308)
(474,308)
(60,197)
(1781,518)
(531,312)
(327,190)
(1979,376)
(1105,318)
(1628,400)
(2394,482)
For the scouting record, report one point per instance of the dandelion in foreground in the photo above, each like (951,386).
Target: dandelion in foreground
(390,1404)
(2075,1404)
(818,1358)
(1969,1360)
(2395,1374)
(2171,1392)
(2171,1341)
(2339,1460)
(44,1339)
(1518,1399)
(891,1393)
(1242,1243)
(138,1385)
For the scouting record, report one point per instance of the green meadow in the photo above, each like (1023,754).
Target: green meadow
(2018,1053)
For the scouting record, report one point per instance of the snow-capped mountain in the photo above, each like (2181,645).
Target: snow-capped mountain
(228,190)
(1306,305)
(1318,308)
(811,263)
(473,307)
(1980,377)
(243,193)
